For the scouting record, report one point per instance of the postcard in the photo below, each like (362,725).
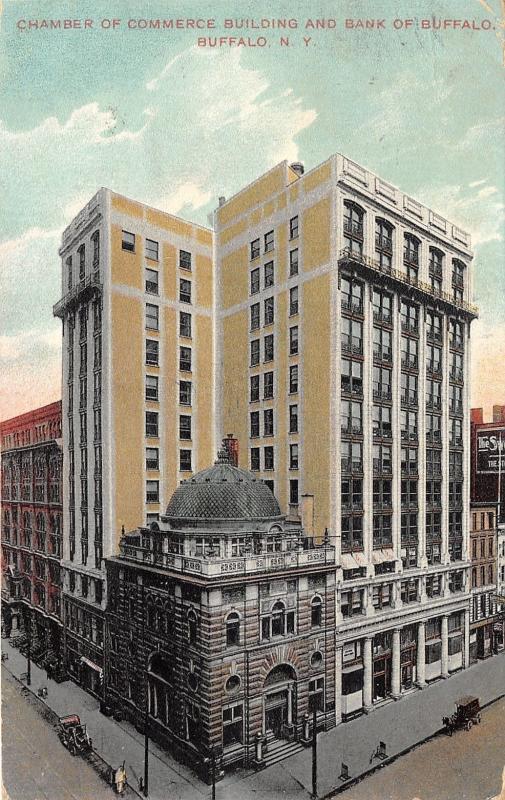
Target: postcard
(253,399)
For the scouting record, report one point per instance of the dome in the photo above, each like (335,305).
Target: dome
(223,492)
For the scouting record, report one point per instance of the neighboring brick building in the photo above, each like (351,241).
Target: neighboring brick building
(32,527)
(488,503)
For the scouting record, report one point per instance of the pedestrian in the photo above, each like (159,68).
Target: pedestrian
(120,779)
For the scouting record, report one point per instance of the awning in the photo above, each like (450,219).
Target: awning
(380,556)
(91,664)
(349,562)
(360,558)
(351,668)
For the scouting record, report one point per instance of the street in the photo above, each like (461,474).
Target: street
(466,766)
(401,725)
(35,764)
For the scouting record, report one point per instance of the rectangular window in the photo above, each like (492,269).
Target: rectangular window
(233,725)
(269,241)
(152,281)
(293,456)
(293,419)
(184,426)
(185,393)
(268,422)
(268,345)
(152,352)
(255,249)
(293,262)
(269,274)
(254,394)
(185,324)
(255,281)
(152,423)
(185,359)
(152,458)
(255,352)
(152,387)
(184,290)
(293,301)
(293,340)
(255,459)
(128,241)
(152,491)
(185,460)
(293,379)
(293,227)
(269,311)
(268,458)
(152,317)
(184,259)
(254,424)
(152,249)
(255,316)
(293,491)
(268,385)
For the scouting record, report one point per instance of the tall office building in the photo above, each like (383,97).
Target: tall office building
(340,362)
(136,307)
(343,324)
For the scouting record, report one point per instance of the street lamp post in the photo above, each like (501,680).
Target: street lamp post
(146,748)
(29,651)
(314,752)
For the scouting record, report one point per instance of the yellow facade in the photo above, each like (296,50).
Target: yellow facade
(129,332)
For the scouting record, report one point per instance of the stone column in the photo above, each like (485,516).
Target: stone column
(338,685)
(420,669)
(466,639)
(290,704)
(367,674)
(445,646)
(395,671)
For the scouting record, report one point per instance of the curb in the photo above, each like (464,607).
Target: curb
(44,709)
(390,759)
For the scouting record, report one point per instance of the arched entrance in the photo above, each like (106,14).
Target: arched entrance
(279,701)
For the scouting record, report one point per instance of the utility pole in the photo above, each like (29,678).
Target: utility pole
(213,763)
(314,752)
(146,748)
(29,652)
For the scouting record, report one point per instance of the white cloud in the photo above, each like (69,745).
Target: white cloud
(186,195)
(481,213)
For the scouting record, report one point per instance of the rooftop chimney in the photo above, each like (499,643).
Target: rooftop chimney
(298,167)
(222,200)
(498,413)
(477,416)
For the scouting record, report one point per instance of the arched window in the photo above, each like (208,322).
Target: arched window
(353,228)
(278,619)
(27,528)
(411,249)
(232,629)
(192,627)
(384,243)
(436,269)
(316,612)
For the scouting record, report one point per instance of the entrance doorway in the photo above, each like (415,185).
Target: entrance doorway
(279,700)
(382,678)
(276,713)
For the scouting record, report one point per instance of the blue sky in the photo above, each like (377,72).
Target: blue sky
(154,117)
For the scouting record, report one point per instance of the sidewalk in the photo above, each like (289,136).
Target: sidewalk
(400,725)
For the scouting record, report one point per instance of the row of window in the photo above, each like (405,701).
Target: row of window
(269,241)
(269,310)
(151,249)
(351,337)
(81,259)
(353,227)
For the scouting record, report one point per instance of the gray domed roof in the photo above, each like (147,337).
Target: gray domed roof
(223,492)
